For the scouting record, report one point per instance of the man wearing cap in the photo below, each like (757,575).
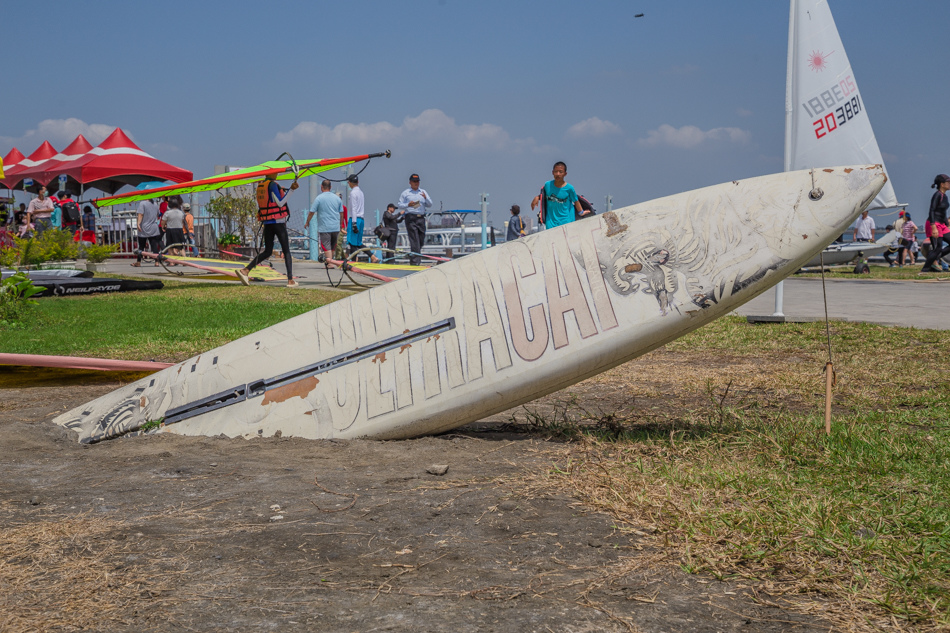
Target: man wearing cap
(190,228)
(414,202)
(71,216)
(354,235)
(516,227)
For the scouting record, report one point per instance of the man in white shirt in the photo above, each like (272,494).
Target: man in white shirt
(414,201)
(40,212)
(864,228)
(354,234)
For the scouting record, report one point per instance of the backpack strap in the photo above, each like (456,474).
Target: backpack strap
(542,203)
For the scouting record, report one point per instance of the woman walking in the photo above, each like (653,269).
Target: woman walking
(936,225)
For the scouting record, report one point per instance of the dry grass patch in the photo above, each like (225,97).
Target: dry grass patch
(71,574)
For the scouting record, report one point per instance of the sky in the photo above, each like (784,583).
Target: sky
(474,96)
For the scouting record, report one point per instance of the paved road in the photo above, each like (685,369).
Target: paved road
(920,304)
(309,274)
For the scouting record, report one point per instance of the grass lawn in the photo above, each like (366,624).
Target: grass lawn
(172,324)
(727,464)
(878,271)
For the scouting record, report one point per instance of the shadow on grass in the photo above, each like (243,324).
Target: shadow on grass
(568,420)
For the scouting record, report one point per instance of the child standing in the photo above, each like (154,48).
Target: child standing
(516,227)
(908,229)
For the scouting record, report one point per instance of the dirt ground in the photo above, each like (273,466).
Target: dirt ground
(166,533)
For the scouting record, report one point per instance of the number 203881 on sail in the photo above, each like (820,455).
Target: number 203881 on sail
(837,94)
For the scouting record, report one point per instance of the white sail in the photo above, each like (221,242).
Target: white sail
(826,121)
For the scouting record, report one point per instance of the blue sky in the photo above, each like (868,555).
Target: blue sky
(475,96)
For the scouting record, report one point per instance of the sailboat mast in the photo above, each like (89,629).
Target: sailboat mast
(789,73)
(789,116)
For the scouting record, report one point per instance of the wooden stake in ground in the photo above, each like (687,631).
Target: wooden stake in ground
(829,383)
(829,366)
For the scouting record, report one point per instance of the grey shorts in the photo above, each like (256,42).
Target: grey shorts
(328,242)
(42,224)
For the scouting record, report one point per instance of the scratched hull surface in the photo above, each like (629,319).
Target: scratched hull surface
(481,334)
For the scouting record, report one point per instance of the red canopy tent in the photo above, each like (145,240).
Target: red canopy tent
(48,171)
(12,159)
(42,153)
(117,162)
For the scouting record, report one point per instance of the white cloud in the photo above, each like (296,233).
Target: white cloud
(691,136)
(593,127)
(431,127)
(162,148)
(310,133)
(59,132)
(744,112)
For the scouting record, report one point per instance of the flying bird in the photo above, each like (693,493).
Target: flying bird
(639,15)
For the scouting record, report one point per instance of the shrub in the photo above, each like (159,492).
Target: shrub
(15,293)
(53,245)
(228,239)
(9,256)
(98,253)
(59,245)
(32,251)
(237,211)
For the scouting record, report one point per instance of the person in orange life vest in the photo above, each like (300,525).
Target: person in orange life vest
(272,214)
(190,229)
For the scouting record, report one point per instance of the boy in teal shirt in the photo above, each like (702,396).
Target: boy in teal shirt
(558,200)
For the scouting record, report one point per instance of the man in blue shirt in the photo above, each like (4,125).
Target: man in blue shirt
(327,207)
(557,199)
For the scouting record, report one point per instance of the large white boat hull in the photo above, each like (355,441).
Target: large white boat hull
(481,334)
